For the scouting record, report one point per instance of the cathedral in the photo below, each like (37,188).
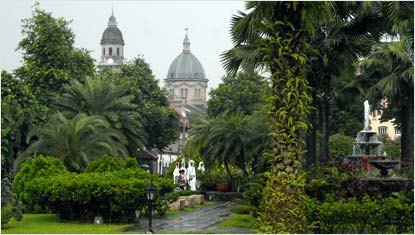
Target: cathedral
(186,83)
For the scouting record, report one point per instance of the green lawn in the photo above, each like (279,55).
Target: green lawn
(240,221)
(48,224)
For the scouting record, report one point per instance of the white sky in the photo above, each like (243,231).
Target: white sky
(154,29)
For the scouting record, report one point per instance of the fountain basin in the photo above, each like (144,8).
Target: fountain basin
(384,165)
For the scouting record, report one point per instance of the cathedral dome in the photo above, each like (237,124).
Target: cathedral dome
(186,65)
(112,34)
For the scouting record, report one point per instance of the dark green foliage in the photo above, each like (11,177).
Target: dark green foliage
(49,56)
(243,93)
(96,96)
(160,123)
(76,141)
(114,195)
(241,209)
(31,169)
(370,215)
(340,146)
(233,139)
(131,163)
(391,147)
(105,163)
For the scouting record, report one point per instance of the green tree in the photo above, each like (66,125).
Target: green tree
(95,96)
(233,139)
(244,93)
(19,111)
(160,122)
(50,59)
(280,32)
(76,141)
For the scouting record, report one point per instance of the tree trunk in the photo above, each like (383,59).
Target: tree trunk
(407,132)
(324,116)
(312,134)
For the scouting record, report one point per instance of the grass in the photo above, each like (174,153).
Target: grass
(206,203)
(48,224)
(240,221)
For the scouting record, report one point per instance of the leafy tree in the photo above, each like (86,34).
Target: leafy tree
(50,59)
(76,141)
(160,123)
(19,111)
(95,96)
(279,32)
(244,93)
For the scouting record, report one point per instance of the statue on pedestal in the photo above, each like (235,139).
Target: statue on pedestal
(176,173)
(191,175)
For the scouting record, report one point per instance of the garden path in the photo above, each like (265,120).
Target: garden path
(201,220)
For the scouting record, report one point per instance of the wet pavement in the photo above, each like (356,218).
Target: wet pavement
(201,220)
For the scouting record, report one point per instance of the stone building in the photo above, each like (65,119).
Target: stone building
(186,80)
(112,46)
(384,128)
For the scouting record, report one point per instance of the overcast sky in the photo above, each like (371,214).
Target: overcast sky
(153,29)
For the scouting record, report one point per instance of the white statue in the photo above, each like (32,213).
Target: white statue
(367,122)
(201,167)
(176,172)
(191,175)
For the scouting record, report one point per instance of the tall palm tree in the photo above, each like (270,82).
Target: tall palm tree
(76,141)
(392,63)
(280,32)
(96,97)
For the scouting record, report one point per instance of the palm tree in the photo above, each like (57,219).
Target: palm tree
(281,32)
(76,141)
(349,35)
(393,63)
(232,139)
(96,97)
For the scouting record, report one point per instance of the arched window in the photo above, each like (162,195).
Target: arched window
(171,92)
(185,92)
(110,51)
(182,92)
(103,51)
(118,51)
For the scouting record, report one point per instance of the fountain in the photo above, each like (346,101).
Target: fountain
(368,147)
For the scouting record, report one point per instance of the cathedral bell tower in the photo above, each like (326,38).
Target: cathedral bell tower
(112,46)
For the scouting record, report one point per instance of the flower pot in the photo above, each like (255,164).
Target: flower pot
(222,187)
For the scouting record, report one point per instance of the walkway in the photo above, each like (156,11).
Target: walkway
(201,220)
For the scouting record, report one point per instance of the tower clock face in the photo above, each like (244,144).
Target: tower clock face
(110,61)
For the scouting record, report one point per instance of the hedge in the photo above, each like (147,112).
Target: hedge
(378,215)
(113,195)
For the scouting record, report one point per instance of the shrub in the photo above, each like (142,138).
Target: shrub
(114,195)
(340,146)
(31,169)
(378,215)
(241,209)
(105,163)
(391,147)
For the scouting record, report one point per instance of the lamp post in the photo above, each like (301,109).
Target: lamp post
(151,192)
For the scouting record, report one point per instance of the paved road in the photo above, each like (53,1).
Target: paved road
(201,220)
